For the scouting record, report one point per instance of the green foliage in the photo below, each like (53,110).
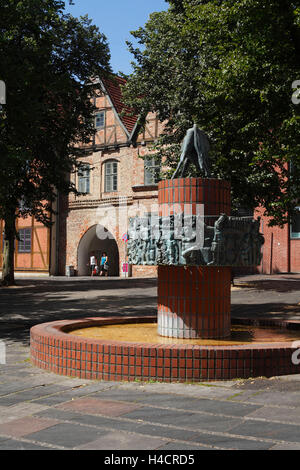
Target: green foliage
(228,66)
(47,59)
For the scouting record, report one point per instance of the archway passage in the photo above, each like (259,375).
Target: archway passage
(91,243)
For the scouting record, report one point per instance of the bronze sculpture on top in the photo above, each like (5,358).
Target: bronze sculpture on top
(194,149)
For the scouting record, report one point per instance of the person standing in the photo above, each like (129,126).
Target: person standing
(104,265)
(93,263)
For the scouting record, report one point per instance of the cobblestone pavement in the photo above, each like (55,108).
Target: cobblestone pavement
(41,410)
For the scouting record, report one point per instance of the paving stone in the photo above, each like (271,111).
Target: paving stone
(280,384)
(15,384)
(234,443)
(213,440)
(23,426)
(293,446)
(20,410)
(184,419)
(11,444)
(268,430)
(222,407)
(177,446)
(71,393)
(273,398)
(67,435)
(123,441)
(88,419)
(96,406)
(181,402)
(195,390)
(125,395)
(272,413)
(53,400)
(217,442)
(86,387)
(30,394)
(60,414)
(167,432)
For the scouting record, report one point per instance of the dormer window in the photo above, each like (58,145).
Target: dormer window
(100,120)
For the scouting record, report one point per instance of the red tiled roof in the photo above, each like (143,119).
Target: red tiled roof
(113,88)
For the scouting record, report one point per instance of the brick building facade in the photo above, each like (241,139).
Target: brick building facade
(116,184)
(281,250)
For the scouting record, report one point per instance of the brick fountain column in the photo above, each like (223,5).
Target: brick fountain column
(194,301)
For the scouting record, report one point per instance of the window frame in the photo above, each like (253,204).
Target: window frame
(113,176)
(102,112)
(22,246)
(150,170)
(295,235)
(84,179)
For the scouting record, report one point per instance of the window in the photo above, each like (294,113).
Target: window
(111,176)
(295,224)
(100,120)
(24,243)
(84,179)
(151,171)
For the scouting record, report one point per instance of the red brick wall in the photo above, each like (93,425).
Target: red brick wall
(275,249)
(295,255)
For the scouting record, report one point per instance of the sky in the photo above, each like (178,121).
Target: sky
(115,19)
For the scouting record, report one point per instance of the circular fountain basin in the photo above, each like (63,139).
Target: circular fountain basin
(130,349)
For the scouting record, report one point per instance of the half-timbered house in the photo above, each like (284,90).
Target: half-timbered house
(116,180)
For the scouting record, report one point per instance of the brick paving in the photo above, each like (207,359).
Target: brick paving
(40,410)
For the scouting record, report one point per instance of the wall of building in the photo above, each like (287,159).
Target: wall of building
(280,253)
(295,255)
(88,216)
(38,258)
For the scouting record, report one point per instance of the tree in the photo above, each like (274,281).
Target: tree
(228,66)
(48,62)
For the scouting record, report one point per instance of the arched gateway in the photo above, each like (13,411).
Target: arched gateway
(97,239)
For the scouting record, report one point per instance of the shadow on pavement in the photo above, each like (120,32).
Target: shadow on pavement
(270,285)
(39,301)
(61,284)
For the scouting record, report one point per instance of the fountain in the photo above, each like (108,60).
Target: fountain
(195,242)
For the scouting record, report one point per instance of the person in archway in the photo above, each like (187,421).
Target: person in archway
(93,263)
(104,265)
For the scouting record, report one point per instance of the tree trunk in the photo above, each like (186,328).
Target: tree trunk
(8,278)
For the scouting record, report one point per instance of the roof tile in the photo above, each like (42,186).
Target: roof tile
(113,88)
